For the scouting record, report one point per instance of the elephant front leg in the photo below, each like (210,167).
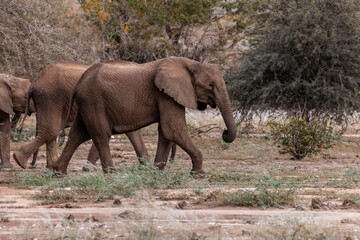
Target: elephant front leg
(162,151)
(183,139)
(138,143)
(105,156)
(176,131)
(5,128)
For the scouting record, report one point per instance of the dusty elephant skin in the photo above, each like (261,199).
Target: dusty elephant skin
(13,92)
(51,93)
(112,99)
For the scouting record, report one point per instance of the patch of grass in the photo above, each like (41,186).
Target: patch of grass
(191,129)
(268,193)
(224,145)
(56,196)
(348,180)
(300,230)
(126,181)
(147,177)
(352,199)
(218,176)
(3,217)
(30,178)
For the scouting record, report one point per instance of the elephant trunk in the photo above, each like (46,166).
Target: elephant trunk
(223,101)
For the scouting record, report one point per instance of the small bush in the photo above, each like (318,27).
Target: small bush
(301,138)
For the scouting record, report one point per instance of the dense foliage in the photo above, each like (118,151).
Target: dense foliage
(143,31)
(303,58)
(301,138)
(34,34)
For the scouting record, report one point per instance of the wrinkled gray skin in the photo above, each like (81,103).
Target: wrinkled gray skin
(112,100)
(51,93)
(13,92)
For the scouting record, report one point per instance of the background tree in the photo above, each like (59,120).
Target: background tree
(146,30)
(303,58)
(34,34)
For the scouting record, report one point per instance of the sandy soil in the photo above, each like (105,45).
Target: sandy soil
(24,214)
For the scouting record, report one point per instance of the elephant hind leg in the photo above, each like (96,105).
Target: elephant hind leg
(35,154)
(22,155)
(78,134)
(102,144)
(93,154)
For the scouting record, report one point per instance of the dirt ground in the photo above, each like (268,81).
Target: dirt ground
(333,177)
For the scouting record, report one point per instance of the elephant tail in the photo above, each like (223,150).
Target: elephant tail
(29,96)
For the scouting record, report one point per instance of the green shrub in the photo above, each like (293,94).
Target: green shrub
(301,138)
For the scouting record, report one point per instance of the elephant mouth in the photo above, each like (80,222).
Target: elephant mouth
(211,102)
(201,106)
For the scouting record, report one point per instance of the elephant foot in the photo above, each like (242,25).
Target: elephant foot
(198,174)
(20,159)
(58,170)
(6,165)
(109,170)
(32,166)
(160,165)
(57,174)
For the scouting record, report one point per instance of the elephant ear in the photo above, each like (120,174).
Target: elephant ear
(5,97)
(175,78)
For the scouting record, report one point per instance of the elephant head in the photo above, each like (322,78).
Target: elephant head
(13,93)
(195,85)
(5,98)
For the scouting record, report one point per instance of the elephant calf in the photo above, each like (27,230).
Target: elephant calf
(13,92)
(112,99)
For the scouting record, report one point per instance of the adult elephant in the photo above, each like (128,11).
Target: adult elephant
(112,99)
(51,92)
(13,92)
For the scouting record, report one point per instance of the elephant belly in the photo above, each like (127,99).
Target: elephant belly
(129,127)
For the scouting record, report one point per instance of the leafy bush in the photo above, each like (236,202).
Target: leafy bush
(301,138)
(143,31)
